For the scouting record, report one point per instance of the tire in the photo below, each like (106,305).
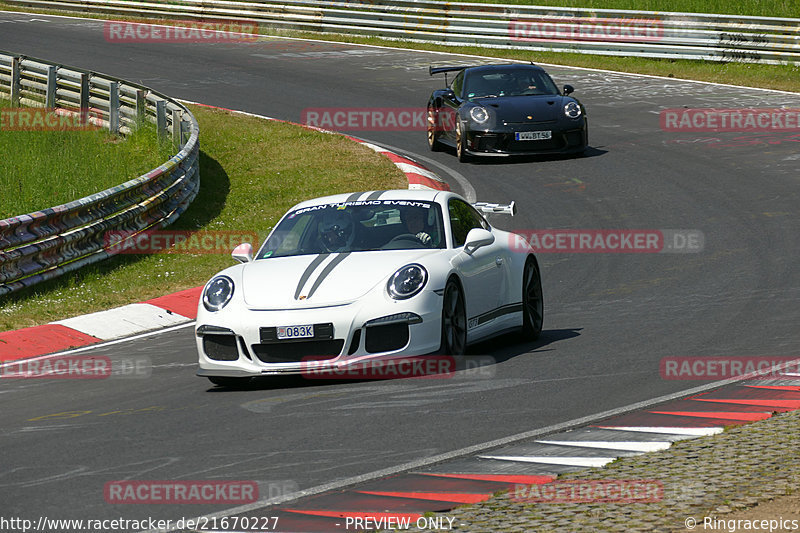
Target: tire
(454,320)
(229,382)
(461,139)
(532,300)
(433,130)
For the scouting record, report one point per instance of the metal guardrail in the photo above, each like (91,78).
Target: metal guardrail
(556,29)
(51,242)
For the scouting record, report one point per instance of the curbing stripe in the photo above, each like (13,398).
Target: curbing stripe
(624,446)
(591,462)
(39,340)
(123,321)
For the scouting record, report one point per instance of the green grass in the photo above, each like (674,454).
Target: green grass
(79,163)
(763,8)
(251,172)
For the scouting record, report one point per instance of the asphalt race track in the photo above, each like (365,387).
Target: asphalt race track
(610,318)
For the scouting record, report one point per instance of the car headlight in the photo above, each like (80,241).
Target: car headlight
(407,281)
(218,293)
(479,114)
(572,110)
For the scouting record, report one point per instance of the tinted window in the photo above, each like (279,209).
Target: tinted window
(463,217)
(458,83)
(509,82)
(356,227)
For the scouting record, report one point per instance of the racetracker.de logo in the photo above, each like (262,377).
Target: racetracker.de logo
(585,29)
(175,242)
(365,118)
(720,367)
(435,366)
(48,119)
(590,491)
(65,367)
(607,241)
(706,120)
(184,31)
(179,492)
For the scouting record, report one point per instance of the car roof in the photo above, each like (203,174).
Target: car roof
(393,194)
(505,67)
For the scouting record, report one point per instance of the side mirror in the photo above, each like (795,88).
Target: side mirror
(448,93)
(476,238)
(568,89)
(243,253)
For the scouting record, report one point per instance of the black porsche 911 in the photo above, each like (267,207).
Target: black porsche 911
(500,110)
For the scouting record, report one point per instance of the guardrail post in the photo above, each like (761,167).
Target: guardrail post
(161,119)
(113,107)
(176,128)
(15,82)
(141,108)
(84,98)
(52,86)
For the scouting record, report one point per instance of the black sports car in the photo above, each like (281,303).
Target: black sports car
(499,110)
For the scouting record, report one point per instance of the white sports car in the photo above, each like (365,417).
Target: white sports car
(353,277)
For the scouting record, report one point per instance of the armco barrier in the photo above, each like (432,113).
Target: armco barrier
(45,244)
(558,29)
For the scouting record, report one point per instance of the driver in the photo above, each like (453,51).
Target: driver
(414,219)
(336,230)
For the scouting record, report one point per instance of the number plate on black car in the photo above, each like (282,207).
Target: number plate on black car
(533,135)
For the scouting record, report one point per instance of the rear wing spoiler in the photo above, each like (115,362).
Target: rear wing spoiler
(504,209)
(438,70)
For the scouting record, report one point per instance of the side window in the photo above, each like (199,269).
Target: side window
(463,217)
(457,84)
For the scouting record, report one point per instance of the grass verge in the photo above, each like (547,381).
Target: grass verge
(251,172)
(79,163)
(760,8)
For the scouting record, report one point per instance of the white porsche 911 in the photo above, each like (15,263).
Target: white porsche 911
(353,277)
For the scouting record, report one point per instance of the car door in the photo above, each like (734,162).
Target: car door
(448,112)
(482,272)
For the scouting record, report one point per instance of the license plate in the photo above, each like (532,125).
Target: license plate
(533,135)
(295,332)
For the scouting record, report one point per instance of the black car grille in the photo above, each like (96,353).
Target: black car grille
(386,338)
(298,351)
(220,347)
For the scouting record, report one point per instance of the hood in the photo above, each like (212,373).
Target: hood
(543,108)
(308,281)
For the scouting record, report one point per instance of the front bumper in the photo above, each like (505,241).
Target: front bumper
(243,343)
(503,142)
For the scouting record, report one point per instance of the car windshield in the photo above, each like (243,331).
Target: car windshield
(356,227)
(509,82)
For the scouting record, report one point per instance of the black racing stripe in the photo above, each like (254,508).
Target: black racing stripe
(375,195)
(353,197)
(327,270)
(309,270)
(500,311)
